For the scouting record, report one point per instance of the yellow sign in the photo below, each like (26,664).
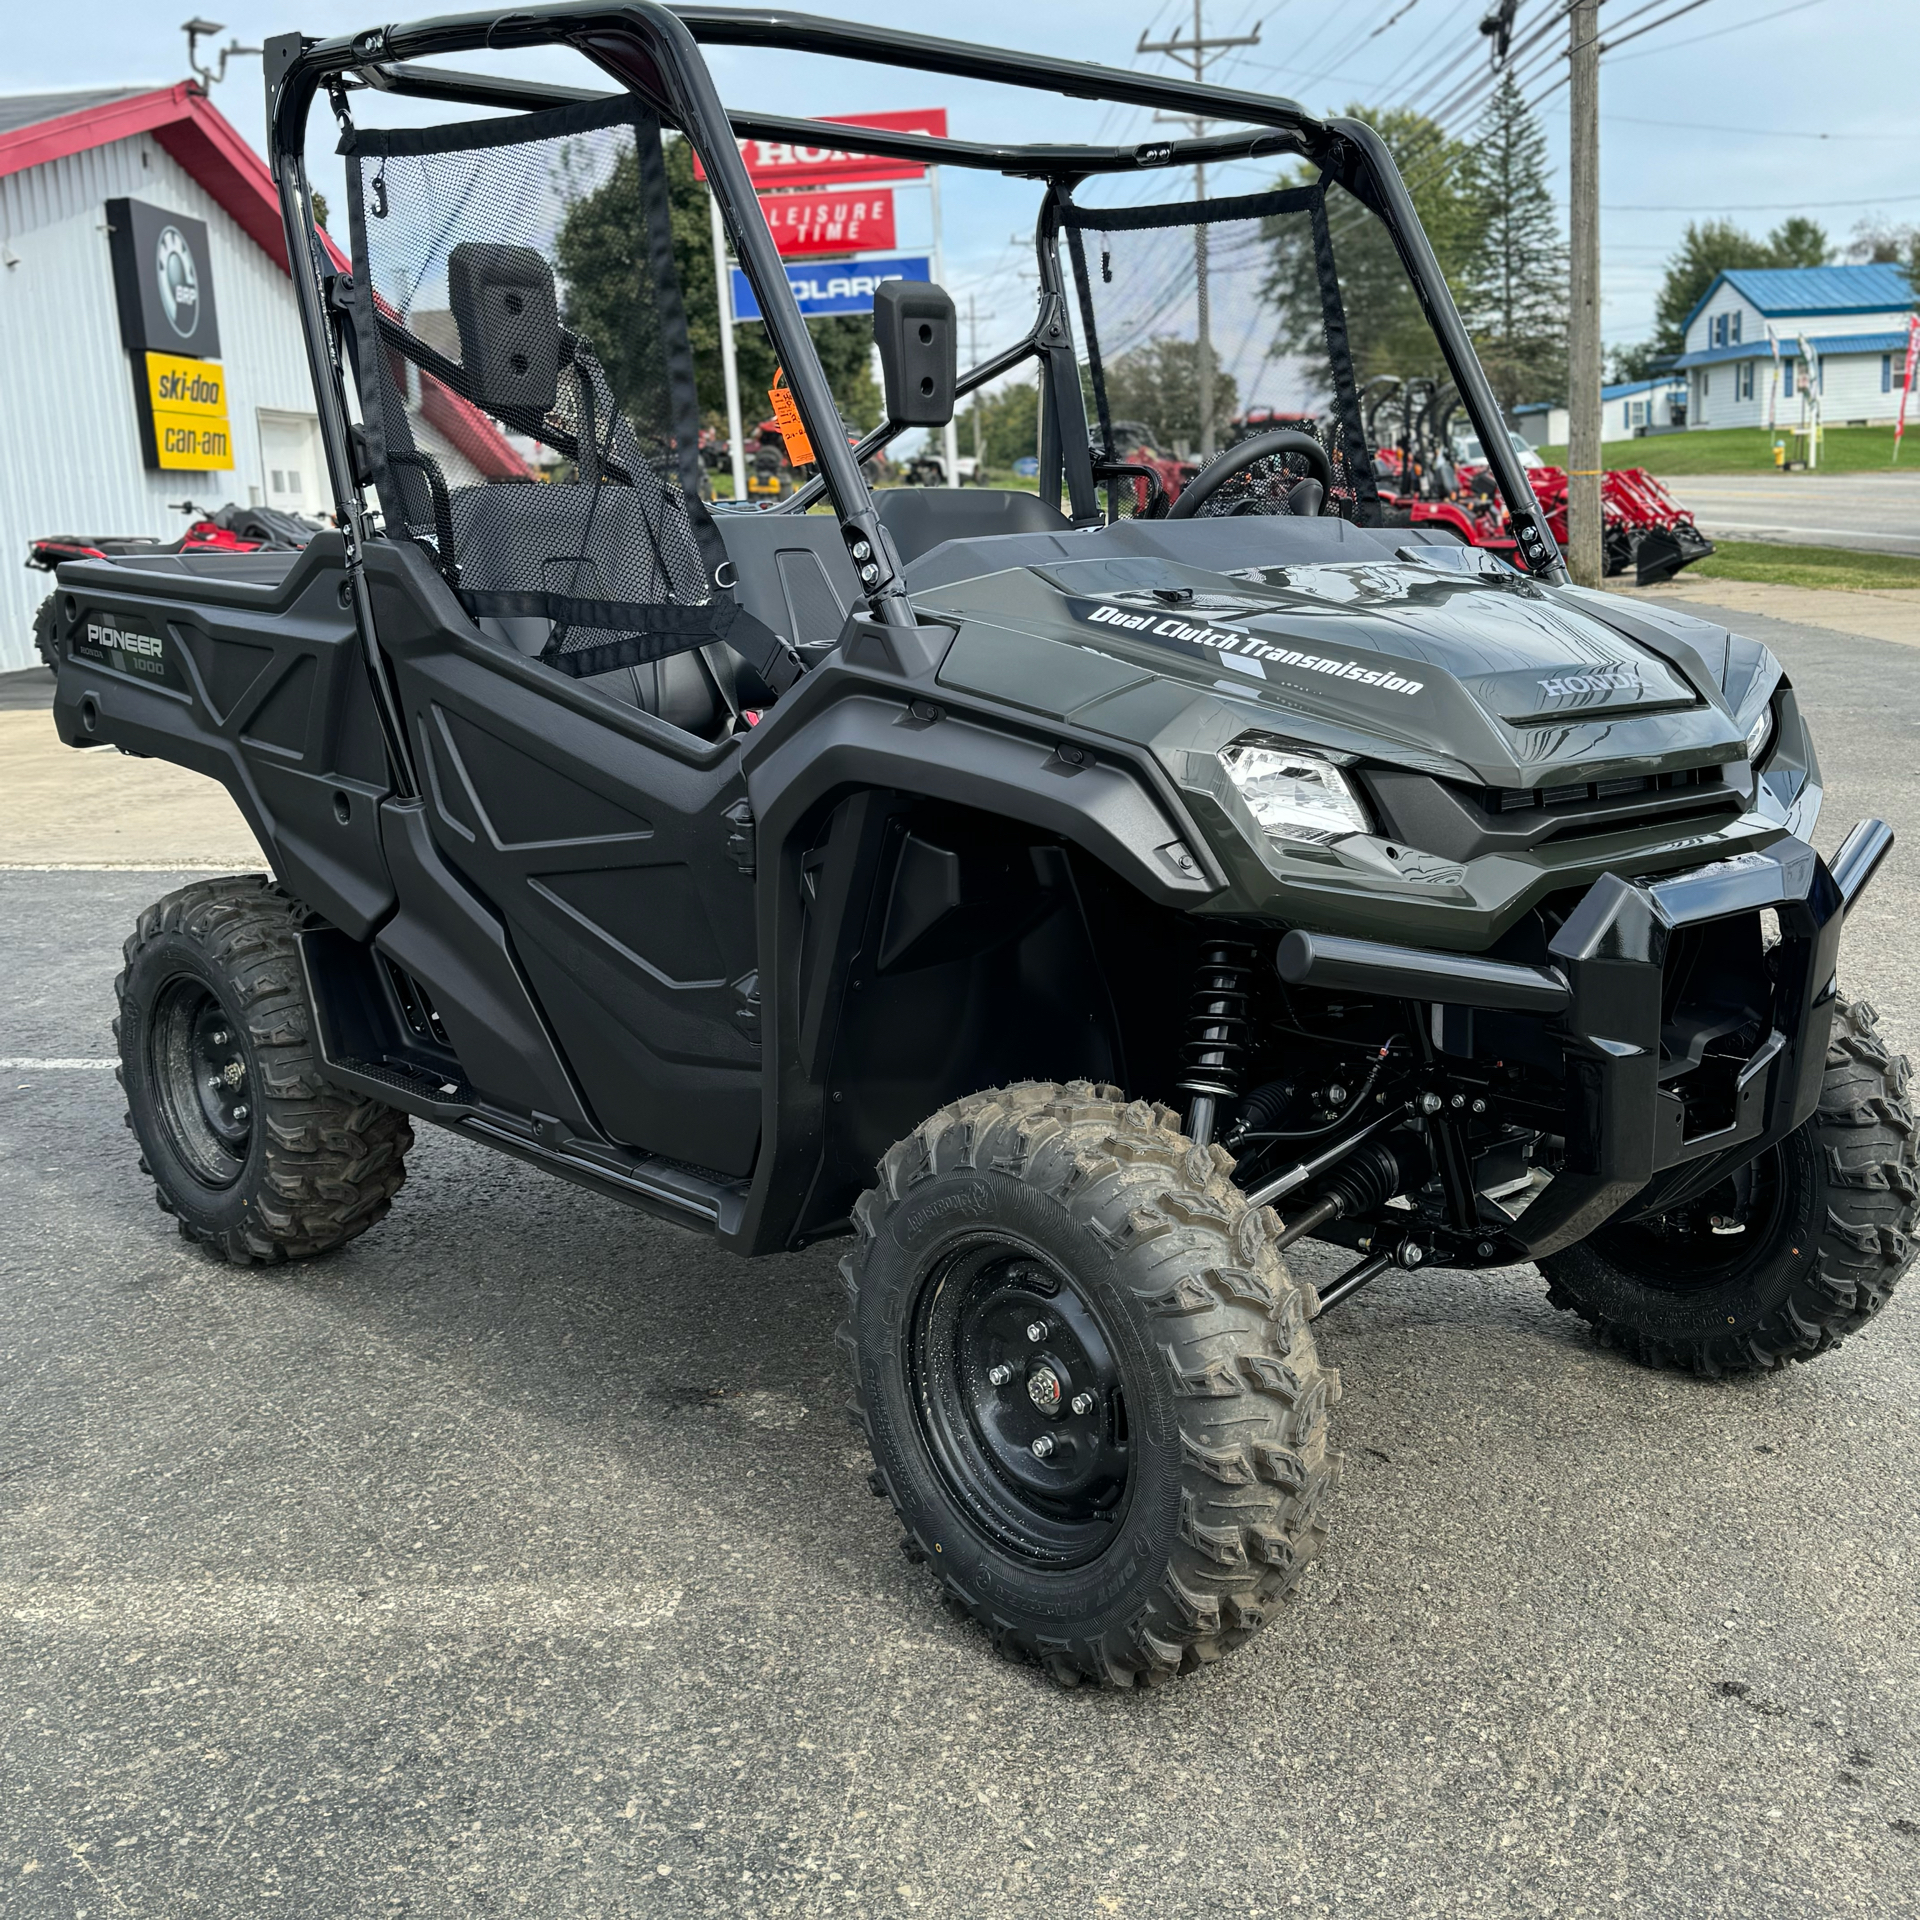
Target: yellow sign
(188,399)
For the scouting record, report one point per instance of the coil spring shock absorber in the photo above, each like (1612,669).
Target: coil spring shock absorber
(1215,1053)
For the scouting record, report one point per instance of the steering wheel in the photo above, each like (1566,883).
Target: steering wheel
(1249,453)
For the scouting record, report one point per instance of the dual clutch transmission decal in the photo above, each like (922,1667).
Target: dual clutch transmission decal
(1176,629)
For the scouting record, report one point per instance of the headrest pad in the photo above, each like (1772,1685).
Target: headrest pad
(509,323)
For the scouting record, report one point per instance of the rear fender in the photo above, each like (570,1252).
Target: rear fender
(246,668)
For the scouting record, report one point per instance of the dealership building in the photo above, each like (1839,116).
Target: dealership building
(150,347)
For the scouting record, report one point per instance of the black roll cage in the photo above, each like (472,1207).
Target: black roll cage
(654,50)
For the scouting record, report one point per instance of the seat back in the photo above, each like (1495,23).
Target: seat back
(922,518)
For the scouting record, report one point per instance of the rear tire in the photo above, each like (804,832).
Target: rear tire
(45,642)
(249,1148)
(1830,1231)
(1184,1483)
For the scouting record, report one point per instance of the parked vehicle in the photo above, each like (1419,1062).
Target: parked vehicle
(228,529)
(1073,910)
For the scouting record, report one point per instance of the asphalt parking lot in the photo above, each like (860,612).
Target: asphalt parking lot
(517,1559)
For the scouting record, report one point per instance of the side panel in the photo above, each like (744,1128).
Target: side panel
(247,668)
(604,840)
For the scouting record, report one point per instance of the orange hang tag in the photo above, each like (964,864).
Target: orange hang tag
(786,417)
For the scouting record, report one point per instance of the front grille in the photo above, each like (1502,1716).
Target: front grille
(1692,780)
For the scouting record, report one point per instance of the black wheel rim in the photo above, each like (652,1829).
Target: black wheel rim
(1692,1249)
(1017,1386)
(202,1081)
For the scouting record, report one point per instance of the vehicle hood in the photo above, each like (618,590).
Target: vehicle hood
(1443,659)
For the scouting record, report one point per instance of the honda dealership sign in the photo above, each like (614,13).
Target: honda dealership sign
(780,163)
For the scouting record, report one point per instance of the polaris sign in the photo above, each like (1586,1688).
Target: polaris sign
(841,286)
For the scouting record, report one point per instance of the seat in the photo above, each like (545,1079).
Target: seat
(591,548)
(922,518)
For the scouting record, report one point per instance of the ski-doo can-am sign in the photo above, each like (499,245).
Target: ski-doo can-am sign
(170,327)
(785,163)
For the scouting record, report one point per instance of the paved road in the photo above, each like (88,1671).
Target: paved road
(517,1561)
(1879,512)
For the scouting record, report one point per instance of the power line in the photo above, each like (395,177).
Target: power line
(1780,206)
(1738,26)
(1607,46)
(1767,133)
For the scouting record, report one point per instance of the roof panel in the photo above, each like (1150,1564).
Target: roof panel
(19,110)
(1877,287)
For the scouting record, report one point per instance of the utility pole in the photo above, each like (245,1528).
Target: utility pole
(1583,319)
(1194,52)
(974,317)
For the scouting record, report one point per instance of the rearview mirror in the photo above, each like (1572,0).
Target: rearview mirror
(913,326)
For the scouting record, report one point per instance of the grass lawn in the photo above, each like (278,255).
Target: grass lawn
(1750,450)
(1780,565)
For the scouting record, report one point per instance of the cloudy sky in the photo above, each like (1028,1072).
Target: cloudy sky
(1751,109)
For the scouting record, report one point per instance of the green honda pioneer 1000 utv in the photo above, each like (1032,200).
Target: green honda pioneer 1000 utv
(1075,897)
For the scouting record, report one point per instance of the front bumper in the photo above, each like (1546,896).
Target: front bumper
(1656,1104)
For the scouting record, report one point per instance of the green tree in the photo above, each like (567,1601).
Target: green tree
(1629,360)
(1158,384)
(1799,242)
(1387,332)
(844,342)
(1010,423)
(1710,247)
(1892,245)
(600,249)
(1513,289)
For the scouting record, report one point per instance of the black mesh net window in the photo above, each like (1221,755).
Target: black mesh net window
(1196,316)
(528,387)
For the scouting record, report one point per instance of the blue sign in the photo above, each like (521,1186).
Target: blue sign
(833,286)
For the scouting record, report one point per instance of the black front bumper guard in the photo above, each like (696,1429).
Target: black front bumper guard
(1604,993)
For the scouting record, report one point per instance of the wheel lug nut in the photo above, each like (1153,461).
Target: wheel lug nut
(240,1112)
(1043,1447)
(1000,1375)
(1036,1331)
(220,1038)
(1083,1403)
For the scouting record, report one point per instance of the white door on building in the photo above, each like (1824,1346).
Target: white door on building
(291,465)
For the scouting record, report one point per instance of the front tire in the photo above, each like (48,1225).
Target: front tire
(1827,1229)
(251,1150)
(1087,1381)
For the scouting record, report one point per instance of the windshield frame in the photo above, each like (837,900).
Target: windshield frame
(653,50)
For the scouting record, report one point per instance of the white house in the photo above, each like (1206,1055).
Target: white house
(1625,410)
(97,340)
(1854,319)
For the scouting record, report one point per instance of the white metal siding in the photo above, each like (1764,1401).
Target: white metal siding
(73,460)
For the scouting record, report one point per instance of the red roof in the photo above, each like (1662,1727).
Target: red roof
(213,150)
(190,127)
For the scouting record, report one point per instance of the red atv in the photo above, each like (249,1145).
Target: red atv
(228,529)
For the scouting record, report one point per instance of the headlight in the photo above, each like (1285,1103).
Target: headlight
(1294,795)
(1761,736)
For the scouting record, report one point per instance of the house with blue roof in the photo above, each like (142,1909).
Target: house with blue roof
(1844,328)
(1627,410)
